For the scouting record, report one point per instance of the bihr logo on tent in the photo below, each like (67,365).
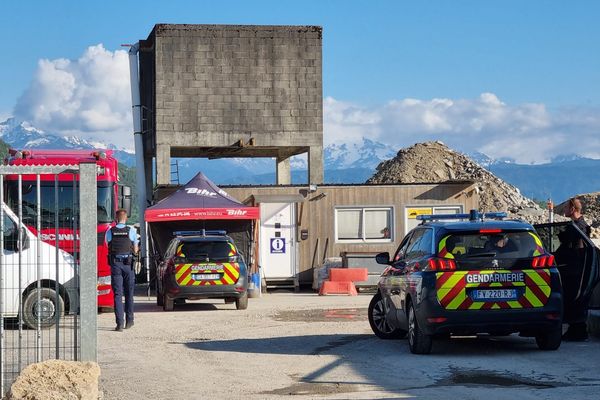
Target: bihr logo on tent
(237,212)
(200,192)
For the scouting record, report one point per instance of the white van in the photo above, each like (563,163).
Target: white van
(34,301)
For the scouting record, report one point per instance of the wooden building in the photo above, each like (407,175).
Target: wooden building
(302,225)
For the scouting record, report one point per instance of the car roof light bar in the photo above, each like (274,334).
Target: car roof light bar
(203,232)
(474,215)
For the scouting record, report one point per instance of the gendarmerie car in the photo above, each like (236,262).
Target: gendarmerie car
(468,274)
(202,265)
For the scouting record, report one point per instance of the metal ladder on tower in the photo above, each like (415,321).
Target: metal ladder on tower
(175,172)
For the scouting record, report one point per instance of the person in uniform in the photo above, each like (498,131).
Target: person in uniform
(122,245)
(576,308)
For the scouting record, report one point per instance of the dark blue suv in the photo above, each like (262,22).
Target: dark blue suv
(468,274)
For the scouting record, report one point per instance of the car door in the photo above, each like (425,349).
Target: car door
(402,276)
(389,277)
(10,266)
(162,265)
(577,258)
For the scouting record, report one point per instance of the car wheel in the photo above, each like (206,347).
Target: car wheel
(159,297)
(242,302)
(549,340)
(418,342)
(168,304)
(48,306)
(378,320)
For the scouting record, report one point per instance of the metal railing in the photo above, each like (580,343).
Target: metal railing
(47,266)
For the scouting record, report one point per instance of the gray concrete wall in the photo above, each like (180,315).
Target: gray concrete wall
(249,90)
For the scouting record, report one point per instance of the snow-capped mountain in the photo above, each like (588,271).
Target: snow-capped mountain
(21,135)
(343,162)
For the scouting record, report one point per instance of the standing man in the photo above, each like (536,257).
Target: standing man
(122,245)
(576,308)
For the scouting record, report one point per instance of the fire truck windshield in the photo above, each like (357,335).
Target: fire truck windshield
(65,204)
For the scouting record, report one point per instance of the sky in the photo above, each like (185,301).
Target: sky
(517,79)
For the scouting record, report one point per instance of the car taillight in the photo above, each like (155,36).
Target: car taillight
(543,261)
(441,264)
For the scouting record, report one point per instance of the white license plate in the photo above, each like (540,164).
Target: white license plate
(205,277)
(494,294)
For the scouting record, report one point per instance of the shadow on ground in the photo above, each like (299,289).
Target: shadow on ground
(482,361)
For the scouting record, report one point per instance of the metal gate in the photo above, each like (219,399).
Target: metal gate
(47,266)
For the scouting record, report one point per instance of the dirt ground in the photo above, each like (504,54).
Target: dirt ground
(321,347)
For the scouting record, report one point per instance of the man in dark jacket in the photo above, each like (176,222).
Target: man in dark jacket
(576,307)
(122,245)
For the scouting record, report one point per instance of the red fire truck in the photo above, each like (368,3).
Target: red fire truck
(111,196)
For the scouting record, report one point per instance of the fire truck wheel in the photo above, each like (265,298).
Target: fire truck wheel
(242,302)
(48,306)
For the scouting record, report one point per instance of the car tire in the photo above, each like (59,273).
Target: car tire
(50,305)
(377,320)
(159,297)
(168,303)
(549,340)
(242,302)
(418,341)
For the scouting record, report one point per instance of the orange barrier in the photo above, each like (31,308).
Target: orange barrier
(341,281)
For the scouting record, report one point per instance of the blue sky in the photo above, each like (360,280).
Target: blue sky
(374,52)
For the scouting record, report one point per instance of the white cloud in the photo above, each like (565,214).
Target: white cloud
(89,97)
(528,133)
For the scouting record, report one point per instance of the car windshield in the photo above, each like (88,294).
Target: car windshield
(206,251)
(501,245)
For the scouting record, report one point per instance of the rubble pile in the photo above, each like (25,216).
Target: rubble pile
(433,162)
(57,379)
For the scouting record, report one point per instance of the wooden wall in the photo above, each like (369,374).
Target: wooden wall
(317,215)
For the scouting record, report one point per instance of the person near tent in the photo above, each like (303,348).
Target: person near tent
(122,245)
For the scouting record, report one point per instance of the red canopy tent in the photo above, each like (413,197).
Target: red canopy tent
(199,199)
(201,204)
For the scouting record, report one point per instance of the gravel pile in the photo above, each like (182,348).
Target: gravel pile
(432,162)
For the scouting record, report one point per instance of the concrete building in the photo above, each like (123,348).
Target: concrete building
(232,91)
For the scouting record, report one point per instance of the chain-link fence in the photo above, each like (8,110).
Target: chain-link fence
(44,261)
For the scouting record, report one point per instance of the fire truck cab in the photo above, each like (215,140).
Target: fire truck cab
(57,194)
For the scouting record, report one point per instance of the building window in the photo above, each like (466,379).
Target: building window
(364,224)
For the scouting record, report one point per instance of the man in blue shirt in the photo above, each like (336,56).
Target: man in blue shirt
(122,245)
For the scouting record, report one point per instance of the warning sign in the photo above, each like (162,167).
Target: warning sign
(413,212)
(277,245)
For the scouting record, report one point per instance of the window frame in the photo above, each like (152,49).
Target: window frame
(362,209)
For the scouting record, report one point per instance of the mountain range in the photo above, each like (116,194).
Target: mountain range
(564,176)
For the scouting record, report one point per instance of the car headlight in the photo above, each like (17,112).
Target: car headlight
(104,280)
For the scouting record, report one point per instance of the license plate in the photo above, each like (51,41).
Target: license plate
(494,294)
(205,277)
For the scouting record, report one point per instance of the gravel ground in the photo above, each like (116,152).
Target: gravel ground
(322,347)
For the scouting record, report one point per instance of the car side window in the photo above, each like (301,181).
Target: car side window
(420,244)
(170,250)
(402,248)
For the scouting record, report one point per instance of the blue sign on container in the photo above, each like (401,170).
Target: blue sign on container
(277,245)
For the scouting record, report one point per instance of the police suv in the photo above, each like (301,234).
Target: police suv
(202,265)
(468,274)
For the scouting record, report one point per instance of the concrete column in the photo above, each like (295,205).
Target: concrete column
(315,164)
(163,164)
(284,174)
